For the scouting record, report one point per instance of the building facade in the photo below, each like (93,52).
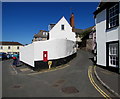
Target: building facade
(59,48)
(107,19)
(10,47)
(62,30)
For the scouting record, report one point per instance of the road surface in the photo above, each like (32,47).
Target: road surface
(71,81)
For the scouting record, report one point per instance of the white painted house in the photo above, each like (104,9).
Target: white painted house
(59,48)
(107,19)
(62,30)
(10,47)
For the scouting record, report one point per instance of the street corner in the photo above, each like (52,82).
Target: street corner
(26,70)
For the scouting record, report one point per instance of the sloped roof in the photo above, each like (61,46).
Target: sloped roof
(10,43)
(83,32)
(79,31)
(52,25)
(103,5)
(63,19)
(40,34)
(87,31)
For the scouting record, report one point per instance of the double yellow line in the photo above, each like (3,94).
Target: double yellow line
(95,85)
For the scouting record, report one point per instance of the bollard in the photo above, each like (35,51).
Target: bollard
(49,63)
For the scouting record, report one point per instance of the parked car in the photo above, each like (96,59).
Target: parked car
(3,56)
(9,56)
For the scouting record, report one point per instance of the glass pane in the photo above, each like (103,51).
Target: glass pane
(62,27)
(110,61)
(114,62)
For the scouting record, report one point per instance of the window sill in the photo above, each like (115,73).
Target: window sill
(112,28)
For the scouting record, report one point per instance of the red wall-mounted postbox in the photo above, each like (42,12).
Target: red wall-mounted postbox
(45,56)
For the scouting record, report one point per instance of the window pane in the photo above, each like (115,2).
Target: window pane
(114,62)
(62,27)
(110,61)
(8,47)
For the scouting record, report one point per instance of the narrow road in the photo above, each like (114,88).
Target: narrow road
(72,81)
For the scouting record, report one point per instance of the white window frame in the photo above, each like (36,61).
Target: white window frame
(44,33)
(113,54)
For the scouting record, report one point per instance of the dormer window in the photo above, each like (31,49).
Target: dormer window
(62,27)
(113,16)
(44,33)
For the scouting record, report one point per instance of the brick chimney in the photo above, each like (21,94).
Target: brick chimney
(72,21)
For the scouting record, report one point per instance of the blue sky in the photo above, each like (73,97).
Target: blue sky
(21,20)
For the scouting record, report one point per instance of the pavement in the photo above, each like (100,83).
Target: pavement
(110,80)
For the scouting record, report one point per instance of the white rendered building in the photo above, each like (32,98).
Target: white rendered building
(10,47)
(107,19)
(59,48)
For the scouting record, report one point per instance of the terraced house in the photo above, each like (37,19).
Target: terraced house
(10,47)
(107,19)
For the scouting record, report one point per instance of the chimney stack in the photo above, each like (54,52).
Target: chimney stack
(72,22)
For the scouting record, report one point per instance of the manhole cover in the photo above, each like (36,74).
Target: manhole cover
(70,90)
(17,86)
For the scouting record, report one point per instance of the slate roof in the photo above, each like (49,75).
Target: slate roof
(103,5)
(83,32)
(10,43)
(86,32)
(78,31)
(40,34)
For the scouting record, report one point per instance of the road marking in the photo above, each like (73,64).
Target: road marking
(14,69)
(50,70)
(95,85)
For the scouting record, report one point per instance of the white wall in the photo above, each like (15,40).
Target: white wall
(112,34)
(27,54)
(57,48)
(13,48)
(119,36)
(57,33)
(61,44)
(101,38)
